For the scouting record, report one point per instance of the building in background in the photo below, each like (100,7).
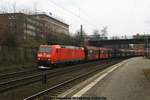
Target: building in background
(27,26)
(23,25)
(51,24)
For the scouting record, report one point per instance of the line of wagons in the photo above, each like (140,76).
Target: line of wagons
(55,54)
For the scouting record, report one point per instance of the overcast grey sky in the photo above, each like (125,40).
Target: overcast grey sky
(120,16)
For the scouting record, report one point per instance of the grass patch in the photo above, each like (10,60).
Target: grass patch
(147,73)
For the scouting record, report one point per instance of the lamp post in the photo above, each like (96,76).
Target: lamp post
(147,47)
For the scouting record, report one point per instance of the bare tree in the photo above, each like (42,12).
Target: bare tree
(96,34)
(104,32)
(14,7)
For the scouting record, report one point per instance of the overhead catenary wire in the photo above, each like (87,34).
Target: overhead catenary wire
(74,14)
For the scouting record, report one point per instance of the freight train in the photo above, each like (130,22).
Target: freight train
(57,54)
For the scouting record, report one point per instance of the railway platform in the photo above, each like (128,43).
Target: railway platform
(123,81)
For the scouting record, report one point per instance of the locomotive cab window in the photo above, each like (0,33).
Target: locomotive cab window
(45,49)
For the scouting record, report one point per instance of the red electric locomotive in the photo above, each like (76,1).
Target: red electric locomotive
(54,54)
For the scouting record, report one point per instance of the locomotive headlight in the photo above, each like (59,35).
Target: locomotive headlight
(39,55)
(48,56)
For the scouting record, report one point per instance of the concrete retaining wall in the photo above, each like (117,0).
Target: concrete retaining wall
(17,55)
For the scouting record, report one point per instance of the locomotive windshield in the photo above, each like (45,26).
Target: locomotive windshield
(45,49)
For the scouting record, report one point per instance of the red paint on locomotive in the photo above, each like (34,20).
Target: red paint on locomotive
(51,54)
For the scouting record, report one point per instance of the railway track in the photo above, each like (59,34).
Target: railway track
(14,80)
(16,74)
(53,77)
(57,89)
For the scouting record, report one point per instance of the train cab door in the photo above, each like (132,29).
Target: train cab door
(57,55)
